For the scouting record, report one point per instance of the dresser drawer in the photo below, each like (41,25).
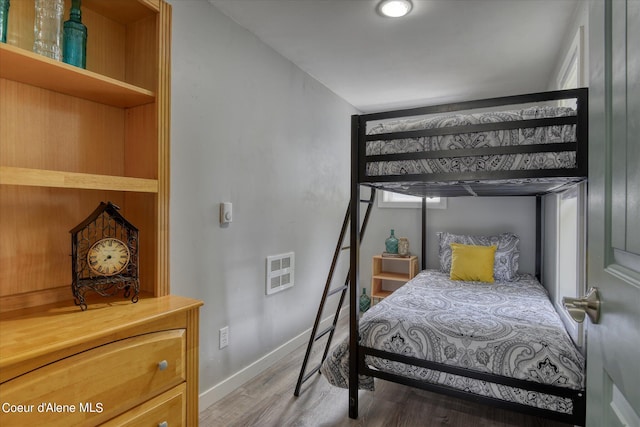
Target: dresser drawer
(169,409)
(98,384)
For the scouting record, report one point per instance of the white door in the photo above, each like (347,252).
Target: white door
(613,345)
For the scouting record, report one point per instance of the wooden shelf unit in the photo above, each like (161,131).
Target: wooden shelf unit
(405,269)
(71,138)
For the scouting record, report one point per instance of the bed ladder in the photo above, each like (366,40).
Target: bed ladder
(342,291)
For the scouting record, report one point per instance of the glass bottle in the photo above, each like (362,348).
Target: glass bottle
(48,28)
(391,244)
(403,246)
(4,18)
(74,40)
(365,301)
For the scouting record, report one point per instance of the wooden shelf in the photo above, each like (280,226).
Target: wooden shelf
(397,277)
(381,294)
(57,179)
(123,11)
(408,267)
(36,70)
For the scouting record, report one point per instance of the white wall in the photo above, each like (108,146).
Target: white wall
(249,127)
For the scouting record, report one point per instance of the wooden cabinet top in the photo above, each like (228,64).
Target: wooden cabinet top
(43,334)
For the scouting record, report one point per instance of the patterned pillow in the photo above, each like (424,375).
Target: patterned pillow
(505,266)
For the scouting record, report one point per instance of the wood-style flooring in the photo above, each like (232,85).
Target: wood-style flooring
(268,400)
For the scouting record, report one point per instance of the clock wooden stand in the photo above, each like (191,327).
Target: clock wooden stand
(104,255)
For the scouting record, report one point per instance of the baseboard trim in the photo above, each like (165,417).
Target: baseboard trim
(223,388)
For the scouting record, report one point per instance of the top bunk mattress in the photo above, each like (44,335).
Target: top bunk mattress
(534,145)
(459,141)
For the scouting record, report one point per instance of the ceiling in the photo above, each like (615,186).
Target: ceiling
(443,51)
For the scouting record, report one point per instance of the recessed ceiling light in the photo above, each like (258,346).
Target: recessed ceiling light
(394,8)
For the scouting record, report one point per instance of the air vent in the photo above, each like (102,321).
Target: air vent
(279,272)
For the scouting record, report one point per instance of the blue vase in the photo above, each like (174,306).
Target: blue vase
(74,39)
(365,301)
(391,244)
(4,18)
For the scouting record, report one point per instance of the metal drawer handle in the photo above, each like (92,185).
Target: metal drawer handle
(163,424)
(162,365)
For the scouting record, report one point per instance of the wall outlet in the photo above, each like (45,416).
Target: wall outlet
(224,337)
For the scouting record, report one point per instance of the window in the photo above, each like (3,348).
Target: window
(570,260)
(388,199)
(571,73)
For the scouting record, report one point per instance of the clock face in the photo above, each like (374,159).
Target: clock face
(108,257)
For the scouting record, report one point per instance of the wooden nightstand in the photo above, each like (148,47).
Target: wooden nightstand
(391,269)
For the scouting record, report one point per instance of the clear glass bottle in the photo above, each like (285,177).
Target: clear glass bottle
(403,246)
(47,28)
(74,40)
(391,244)
(4,18)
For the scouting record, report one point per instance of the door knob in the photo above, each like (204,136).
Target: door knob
(587,305)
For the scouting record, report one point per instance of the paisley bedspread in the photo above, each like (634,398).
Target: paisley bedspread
(497,138)
(505,328)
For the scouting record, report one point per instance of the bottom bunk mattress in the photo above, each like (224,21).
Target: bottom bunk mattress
(503,328)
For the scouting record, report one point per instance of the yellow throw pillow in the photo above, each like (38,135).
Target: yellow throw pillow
(472,263)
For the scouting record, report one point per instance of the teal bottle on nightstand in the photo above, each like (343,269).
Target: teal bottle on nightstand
(391,244)
(74,41)
(365,301)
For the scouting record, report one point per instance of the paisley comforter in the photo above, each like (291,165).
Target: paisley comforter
(497,138)
(505,328)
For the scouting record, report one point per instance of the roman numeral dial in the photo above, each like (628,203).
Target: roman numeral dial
(108,257)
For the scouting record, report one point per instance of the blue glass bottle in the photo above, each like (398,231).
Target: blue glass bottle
(74,41)
(4,18)
(391,244)
(365,301)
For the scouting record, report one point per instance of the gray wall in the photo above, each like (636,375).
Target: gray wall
(463,215)
(249,127)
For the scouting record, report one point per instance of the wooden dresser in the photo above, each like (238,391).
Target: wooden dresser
(136,362)
(71,138)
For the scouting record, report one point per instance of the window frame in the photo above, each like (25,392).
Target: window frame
(573,63)
(389,199)
(579,191)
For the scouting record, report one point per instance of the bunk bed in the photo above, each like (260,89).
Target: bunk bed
(525,145)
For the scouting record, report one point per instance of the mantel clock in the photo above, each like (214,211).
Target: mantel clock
(104,255)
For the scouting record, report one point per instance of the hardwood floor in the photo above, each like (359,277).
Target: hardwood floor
(268,400)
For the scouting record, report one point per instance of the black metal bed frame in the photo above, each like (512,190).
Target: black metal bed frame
(357,365)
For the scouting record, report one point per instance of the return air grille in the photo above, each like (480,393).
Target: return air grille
(280,270)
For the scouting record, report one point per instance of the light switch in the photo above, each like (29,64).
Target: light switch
(226,215)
